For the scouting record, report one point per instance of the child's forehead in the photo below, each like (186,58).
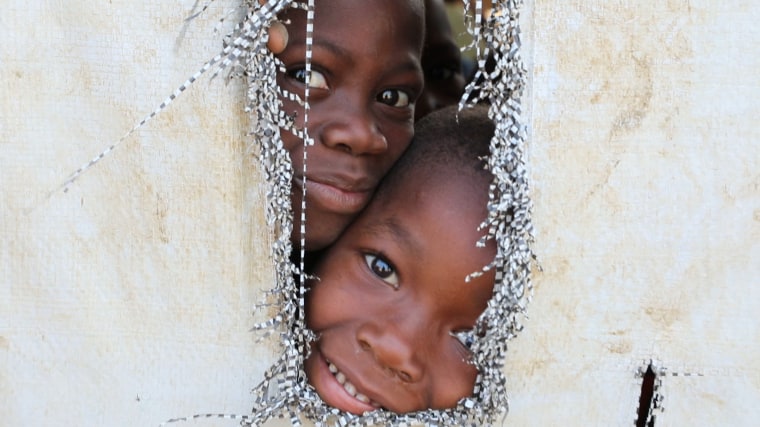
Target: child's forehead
(433,179)
(364,13)
(444,197)
(390,29)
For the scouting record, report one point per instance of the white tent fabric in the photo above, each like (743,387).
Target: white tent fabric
(645,155)
(127,300)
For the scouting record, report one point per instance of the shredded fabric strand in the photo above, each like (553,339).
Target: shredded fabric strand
(284,391)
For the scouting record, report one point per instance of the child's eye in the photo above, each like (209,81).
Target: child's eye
(382,269)
(466,338)
(394,97)
(317,80)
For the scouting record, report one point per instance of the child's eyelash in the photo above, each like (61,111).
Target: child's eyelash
(466,337)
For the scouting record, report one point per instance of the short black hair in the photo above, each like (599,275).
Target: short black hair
(447,143)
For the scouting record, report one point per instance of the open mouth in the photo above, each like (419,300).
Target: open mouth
(348,387)
(335,387)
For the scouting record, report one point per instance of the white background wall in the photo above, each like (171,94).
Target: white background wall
(128,300)
(645,156)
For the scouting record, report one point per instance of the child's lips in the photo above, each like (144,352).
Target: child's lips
(337,390)
(335,196)
(348,386)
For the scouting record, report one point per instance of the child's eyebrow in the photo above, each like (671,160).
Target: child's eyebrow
(338,50)
(398,233)
(319,40)
(335,48)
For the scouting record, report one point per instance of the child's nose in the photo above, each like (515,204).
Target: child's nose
(392,350)
(354,131)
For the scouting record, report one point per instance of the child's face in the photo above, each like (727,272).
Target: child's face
(441,62)
(366,77)
(390,293)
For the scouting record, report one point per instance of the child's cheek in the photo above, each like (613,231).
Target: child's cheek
(291,143)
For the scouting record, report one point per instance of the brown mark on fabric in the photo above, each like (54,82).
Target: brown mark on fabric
(637,99)
(162,206)
(664,316)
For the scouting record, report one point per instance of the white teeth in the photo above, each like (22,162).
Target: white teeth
(350,388)
(340,377)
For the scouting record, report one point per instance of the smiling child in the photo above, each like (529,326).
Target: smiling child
(365,78)
(391,296)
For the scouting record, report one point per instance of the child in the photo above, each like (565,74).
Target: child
(364,81)
(441,62)
(391,296)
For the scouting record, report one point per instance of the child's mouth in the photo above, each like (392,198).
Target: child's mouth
(348,387)
(335,197)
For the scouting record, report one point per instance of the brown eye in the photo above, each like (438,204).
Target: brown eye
(382,269)
(394,97)
(317,80)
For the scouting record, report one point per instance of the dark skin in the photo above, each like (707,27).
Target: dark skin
(364,83)
(440,376)
(391,293)
(441,59)
(441,62)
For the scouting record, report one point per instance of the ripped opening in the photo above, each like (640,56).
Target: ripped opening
(646,399)
(650,397)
